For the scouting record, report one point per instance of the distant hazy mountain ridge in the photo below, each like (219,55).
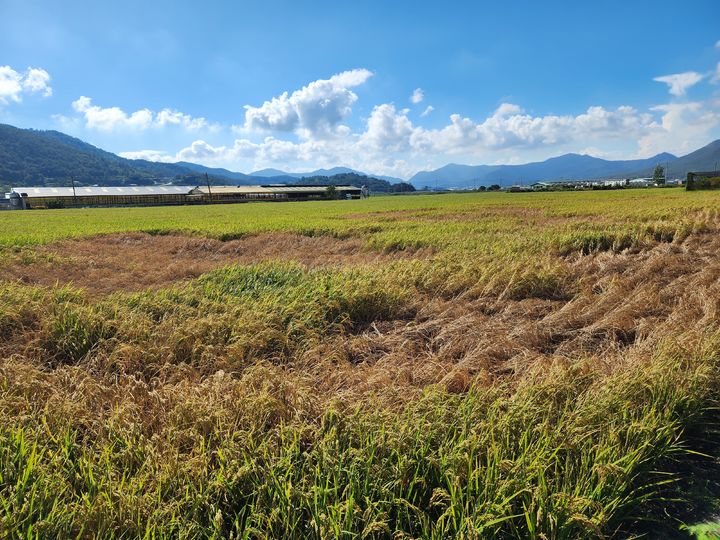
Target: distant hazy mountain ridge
(565,167)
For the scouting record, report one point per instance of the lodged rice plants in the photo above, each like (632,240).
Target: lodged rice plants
(456,366)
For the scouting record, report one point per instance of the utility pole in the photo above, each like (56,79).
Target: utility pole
(207,181)
(72,180)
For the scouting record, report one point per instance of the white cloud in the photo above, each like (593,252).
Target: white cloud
(315,111)
(387,130)
(150,155)
(292,156)
(36,80)
(14,84)
(679,83)
(417,96)
(114,118)
(509,127)
(176,118)
(392,144)
(717,44)
(111,118)
(10,85)
(683,127)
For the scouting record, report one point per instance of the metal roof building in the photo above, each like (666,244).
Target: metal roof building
(65,197)
(276,192)
(96,191)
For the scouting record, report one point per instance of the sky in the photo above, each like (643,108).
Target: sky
(389,88)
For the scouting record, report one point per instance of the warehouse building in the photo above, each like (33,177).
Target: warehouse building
(67,197)
(276,192)
(81,197)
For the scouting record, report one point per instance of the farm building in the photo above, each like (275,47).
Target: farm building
(67,197)
(275,192)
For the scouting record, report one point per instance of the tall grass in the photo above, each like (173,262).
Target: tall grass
(571,455)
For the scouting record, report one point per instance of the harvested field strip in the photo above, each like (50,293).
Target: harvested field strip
(138,261)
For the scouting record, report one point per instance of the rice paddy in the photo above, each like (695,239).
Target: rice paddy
(483,365)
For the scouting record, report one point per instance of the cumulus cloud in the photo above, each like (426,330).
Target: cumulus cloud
(36,80)
(301,156)
(683,127)
(10,85)
(391,143)
(168,117)
(417,96)
(388,130)
(114,118)
(149,155)
(311,120)
(679,83)
(510,127)
(14,84)
(111,118)
(315,111)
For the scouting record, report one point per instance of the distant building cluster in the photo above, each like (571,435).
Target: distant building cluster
(616,183)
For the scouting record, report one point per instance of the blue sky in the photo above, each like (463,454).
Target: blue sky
(386,87)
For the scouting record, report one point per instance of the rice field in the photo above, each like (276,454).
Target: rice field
(482,365)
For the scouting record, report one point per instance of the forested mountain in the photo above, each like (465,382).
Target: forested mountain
(375,185)
(31,157)
(706,158)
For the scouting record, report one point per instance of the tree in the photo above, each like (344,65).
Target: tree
(659,175)
(494,187)
(402,187)
(331,192)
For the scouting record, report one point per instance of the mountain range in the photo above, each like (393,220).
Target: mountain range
(33,157)
(568,167)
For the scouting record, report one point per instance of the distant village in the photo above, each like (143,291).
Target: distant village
(615,183)
(577,185)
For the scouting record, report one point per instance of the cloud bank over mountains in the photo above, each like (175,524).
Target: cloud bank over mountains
(310,127)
